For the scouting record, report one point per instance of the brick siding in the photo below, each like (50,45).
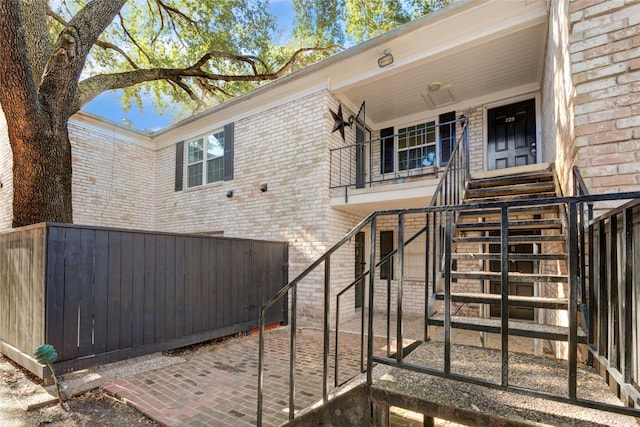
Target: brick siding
(605,61)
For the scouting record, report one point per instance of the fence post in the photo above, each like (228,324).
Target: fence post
(504,306)
(573,299)
(372,270)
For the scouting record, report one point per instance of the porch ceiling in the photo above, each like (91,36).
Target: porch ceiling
(505,59)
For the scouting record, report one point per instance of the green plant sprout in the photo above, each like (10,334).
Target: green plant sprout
(46,354)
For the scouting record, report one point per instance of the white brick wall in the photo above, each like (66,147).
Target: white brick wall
(113,179)
(6,176)
(476,139)
(557,97)
(286,148)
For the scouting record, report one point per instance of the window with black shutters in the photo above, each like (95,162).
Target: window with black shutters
(209,158)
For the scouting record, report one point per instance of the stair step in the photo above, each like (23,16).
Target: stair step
(512,256)
(513,276)
(514,176)
(509,198)
(532,238)
(517,328)
(511,189)
(513,225)
(520,210)
(514,300)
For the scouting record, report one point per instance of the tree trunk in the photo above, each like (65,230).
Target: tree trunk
(41,172)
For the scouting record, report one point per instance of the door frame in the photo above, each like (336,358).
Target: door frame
(485,124)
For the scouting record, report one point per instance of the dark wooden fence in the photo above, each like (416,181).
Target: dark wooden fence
(22,294)
(112,294)
(614,296)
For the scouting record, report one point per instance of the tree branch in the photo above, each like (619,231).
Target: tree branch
(34,16)
(91,87)
(173,11)
(70,52)
(102,44)
(133,40)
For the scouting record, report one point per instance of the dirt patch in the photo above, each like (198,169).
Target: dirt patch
(93,408)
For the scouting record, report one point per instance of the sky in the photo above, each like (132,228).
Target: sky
(107,105)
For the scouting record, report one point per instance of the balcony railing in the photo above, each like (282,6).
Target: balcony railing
(418,151)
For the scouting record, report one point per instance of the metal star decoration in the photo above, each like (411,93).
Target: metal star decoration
(340,122)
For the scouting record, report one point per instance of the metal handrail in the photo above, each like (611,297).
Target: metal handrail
(461,151)
(620,307)
(292,286)
(387,258)
(432,212)
(580,189)
(338,160)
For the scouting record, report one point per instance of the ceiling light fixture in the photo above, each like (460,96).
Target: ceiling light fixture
(435,86)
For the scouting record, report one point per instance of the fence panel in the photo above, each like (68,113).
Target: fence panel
(113,294)
(22,300)
(616,274)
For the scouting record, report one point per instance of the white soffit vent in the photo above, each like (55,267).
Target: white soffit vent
(440,98)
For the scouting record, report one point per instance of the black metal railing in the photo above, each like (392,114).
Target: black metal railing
(616,300)
(438,227)
(450,190)
(419,151)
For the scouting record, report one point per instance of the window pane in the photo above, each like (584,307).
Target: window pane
(215,168)
(418,149)
(196,151)
(215,145)
(402,141)
(402,160)
(194,173)
(429,158)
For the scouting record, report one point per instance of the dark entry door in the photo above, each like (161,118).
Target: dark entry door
(511,135)
(515,288)
(359,244)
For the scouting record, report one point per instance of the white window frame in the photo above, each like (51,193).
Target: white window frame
(210,155)
(427,125)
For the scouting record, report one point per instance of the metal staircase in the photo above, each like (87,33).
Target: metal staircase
(505,254)
(536,263)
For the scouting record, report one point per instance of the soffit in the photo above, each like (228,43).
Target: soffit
(473,68)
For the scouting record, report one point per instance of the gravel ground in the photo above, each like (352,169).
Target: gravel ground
(539,373)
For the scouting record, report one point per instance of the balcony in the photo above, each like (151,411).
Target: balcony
(394,170)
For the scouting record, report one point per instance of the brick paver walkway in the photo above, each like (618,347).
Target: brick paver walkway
(217,386)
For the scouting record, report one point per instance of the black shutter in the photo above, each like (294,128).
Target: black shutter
(386,247)
(447,136)
(179,165)
(386,150)
(228,152)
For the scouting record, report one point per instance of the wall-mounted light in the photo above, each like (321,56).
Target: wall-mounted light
(230,193)
(263,188)
(386,59)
